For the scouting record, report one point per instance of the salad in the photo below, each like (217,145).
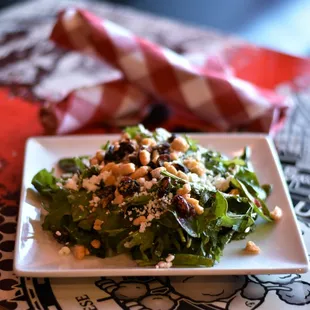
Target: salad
(159,197)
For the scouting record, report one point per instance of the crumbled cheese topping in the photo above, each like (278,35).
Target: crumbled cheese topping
(221,183)
(170,258)
(167,263)
(95,201)
(163,264)
(72,183)
(143,227)
(149,184)
(90,186)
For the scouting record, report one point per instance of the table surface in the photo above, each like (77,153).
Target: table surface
(27,65)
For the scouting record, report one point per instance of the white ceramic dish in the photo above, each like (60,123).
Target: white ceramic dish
(36,253)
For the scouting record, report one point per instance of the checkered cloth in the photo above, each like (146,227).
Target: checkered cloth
(207,97)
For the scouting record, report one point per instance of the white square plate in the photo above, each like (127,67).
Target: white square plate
(36,252)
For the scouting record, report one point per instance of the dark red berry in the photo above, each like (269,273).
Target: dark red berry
(164,188)
(106,192)
(173,136)
(163,148)
(183,208)
(163,158)
(109,155)
(134,158)
(127,147)
(128,186)
(180,167)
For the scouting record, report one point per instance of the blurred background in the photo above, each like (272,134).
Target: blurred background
(278,24)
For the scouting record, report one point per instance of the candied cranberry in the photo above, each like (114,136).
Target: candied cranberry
(163,148)
(164,188)
(128,186)
(180,167)
(152,165)
(107,191)
(183,208)
(173,136)
(127,147)
(134,158)
(109,155)
(163,158)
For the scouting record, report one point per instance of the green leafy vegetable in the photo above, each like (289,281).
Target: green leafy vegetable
(161,134)
(139,130)
(106,146)
(71,165)
(193,144)
(150,221)
(45,183)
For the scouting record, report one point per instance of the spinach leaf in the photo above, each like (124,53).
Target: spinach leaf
(193,144)
(234,161)
(71,165)
(168,220)
(79,202)
(88,222)
(193,260)
(246,154)
(140,130)
(45,183)
(264,213)
(249,178)
(188,224)
(106,146)
(59,207)
(136,239)
(81,197)
(220,205)
(138,200)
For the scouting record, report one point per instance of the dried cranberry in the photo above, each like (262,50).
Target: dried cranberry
(107,194)
(152,165)
(183,208)
(107,191)
(128,186)
(192,211)
(180,167)
(134,158)
(173,136)
(163,148)
(165,185)
(163,158)
(127,147)
(109,155)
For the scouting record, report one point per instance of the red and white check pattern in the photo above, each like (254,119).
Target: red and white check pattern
(210,96)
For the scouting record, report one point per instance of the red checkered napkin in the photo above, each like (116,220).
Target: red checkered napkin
(210,97)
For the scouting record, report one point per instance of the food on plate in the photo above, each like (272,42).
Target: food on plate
(160,197)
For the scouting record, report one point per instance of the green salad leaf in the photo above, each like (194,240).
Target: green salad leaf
(45,183)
